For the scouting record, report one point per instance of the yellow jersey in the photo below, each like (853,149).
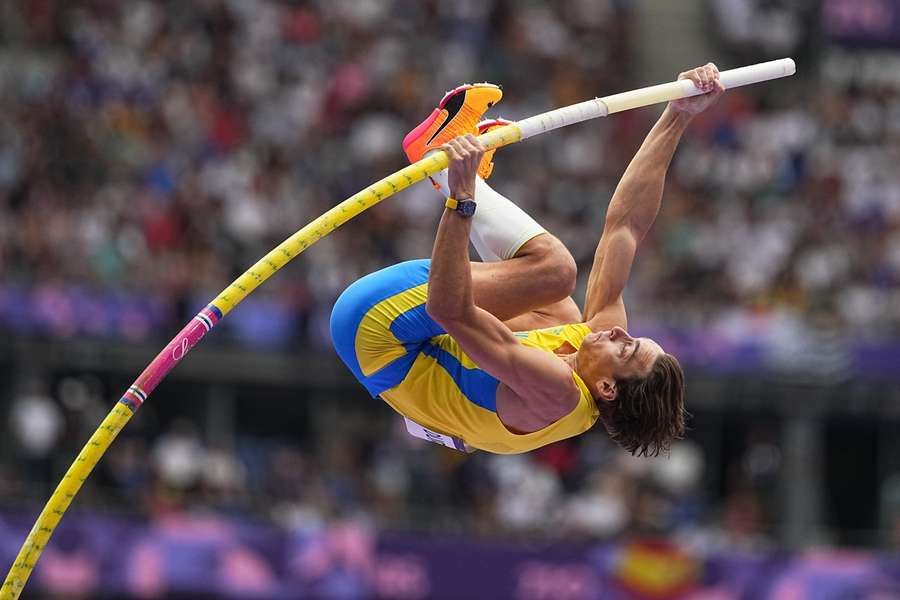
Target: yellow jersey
(382,332)
(446,392)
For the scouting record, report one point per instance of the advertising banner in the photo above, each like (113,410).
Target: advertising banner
(211,557)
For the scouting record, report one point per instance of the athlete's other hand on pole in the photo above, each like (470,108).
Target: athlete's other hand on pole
(465,154)
(706,78)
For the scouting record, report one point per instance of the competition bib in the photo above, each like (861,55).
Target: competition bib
(434,437)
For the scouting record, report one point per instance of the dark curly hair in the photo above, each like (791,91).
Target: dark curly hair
(648,413)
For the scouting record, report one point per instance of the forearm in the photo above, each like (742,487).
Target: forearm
(450,278)
(637,198)
(483,337)
(636,201)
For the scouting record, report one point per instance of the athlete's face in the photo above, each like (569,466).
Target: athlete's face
(605,356)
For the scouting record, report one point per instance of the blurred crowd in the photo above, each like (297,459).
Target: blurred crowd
(151,151)
(364,466)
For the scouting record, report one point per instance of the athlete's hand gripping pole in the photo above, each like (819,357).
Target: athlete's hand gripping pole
(244,285)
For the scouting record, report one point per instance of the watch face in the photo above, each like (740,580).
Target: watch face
(466,208)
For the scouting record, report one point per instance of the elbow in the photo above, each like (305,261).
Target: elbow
(444,313)
(438,311)
(623,224)
(624,236)
(639,231)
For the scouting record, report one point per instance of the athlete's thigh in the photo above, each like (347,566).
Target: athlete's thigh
(378,323)
(541,274)
(564,312)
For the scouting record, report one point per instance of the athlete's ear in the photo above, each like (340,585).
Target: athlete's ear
(606,389)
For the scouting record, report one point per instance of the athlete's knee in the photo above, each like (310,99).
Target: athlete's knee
(555,265)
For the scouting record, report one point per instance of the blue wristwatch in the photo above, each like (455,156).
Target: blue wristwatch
(465,208)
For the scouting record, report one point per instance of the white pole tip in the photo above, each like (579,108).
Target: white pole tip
(790,67)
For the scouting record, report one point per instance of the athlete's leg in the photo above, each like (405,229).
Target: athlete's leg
(541,275)
(379,322)
(526,268)
(560,313)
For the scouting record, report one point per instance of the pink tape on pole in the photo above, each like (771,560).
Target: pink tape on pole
(180,345)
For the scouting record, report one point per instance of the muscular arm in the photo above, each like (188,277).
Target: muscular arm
(632,210)
(532,374)
(635,204)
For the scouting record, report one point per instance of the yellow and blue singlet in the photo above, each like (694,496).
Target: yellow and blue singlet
(380,329)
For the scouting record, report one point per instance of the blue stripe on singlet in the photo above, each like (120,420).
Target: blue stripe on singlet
(414,327)
(361,296)
(476,385)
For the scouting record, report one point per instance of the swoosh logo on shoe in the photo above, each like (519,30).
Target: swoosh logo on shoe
(453,106)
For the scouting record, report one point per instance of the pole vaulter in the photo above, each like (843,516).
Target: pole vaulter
(243,286)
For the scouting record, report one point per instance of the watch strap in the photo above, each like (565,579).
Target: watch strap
(465,207)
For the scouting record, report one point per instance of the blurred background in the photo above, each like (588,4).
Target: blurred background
(151,151)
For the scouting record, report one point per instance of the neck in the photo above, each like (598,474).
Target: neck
(570,359)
